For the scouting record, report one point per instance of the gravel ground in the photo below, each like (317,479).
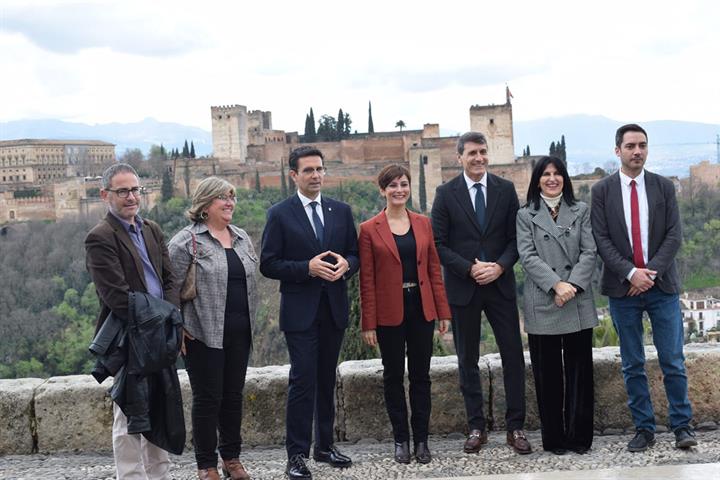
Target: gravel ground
(373,460)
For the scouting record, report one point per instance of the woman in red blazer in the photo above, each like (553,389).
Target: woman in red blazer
(402,294)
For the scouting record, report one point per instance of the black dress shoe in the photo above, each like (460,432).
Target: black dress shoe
(422,453)
(642,440)
(402,452)
(332,456)
(685,438)
(296,467)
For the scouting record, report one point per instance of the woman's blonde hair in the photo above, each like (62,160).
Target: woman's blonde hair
(207,191)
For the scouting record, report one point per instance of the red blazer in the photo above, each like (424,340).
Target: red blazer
(381,296)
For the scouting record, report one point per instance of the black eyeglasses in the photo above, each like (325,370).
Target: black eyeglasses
(124,192)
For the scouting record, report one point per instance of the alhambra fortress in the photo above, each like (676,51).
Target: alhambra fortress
(62,176)
(245,145)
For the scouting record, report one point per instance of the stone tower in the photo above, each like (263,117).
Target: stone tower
(230,133)
(495,122)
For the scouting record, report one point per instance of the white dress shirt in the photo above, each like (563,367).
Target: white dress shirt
(471,188)
(643,207)
(309,210)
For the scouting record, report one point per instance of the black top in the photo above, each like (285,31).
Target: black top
(237,316)
(408,255)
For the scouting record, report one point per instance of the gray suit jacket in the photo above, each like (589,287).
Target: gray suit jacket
(551,252)
(613,241)
(205,315)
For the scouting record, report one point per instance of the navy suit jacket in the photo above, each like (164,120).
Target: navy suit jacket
(288,244)
(459,238)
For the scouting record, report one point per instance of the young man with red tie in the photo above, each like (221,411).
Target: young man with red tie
(636,225)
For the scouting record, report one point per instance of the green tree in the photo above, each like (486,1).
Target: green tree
(340,125)
(400,124)
(371,127)
(156,160)
(186,177)
(422,193)
(327,129)
(68,353)
(192,150)
(283,183)
(306,135)
(186,150)
(166,188)
(135,158)
(258,186)
(313,132)
(347,125)
(354,348)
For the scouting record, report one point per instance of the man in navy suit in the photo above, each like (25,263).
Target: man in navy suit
(310,245)
(636,224)
(473,219)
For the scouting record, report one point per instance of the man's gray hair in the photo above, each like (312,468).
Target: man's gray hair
(474,137)
(113,170)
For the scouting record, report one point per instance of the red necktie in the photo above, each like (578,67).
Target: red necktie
(635,221)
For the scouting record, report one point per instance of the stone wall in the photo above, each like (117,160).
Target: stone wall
(74,413)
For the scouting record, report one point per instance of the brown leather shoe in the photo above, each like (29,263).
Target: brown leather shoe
(476,439)
(234,469)
(519,442)
(208,474)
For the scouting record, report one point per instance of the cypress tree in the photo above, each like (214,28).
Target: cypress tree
(283,185)
(552,149)
(167,186)
(422,194)
(371,127)
(186,150)
(313,132)
(307,127)
(340,126)
(258,187)
(192,150)
(347,122)
(186,175)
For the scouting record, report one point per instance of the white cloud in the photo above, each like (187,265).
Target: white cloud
(421,61)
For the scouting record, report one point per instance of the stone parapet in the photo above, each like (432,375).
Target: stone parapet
(74,413)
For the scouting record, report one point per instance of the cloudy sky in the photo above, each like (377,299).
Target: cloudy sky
(422,62)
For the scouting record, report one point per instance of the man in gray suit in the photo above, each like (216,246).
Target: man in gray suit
(636,225)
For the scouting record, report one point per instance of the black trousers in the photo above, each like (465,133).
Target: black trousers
(311,391)
(217,379)
(417,334)
(505,323)
(563,370)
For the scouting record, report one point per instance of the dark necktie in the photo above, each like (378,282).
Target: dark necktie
(638,259)
(480,205)
(319,229)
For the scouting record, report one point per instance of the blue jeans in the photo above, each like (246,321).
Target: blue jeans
(667,330)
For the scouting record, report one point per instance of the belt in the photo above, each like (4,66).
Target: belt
(409,285)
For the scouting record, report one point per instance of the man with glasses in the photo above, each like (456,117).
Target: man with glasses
(310,245)
(125,253)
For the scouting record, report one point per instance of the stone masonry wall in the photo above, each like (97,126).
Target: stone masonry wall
(74,413)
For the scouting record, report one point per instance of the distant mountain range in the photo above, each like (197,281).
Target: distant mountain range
(140,135)
(674,145)
(590,142)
